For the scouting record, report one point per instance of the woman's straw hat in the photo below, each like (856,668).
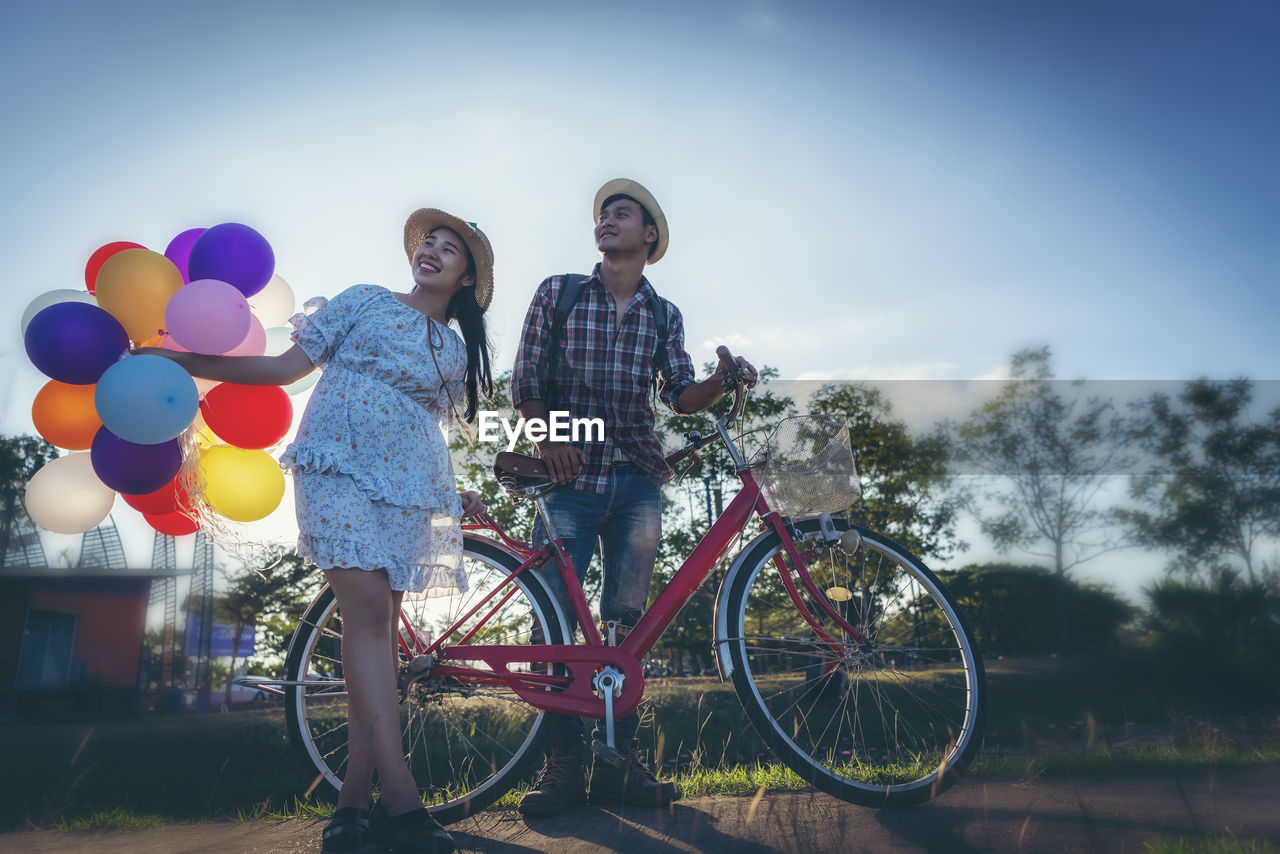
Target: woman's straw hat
(426,220)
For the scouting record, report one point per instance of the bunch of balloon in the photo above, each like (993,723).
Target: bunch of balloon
(212,291)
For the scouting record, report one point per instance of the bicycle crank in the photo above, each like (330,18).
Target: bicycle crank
(608,684)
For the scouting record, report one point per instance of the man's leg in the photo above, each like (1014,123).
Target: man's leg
(576,516)
(629,546)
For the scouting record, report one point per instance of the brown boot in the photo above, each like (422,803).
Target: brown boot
(633,784)
(560,782)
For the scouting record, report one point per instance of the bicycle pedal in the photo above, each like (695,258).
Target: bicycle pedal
(608,754)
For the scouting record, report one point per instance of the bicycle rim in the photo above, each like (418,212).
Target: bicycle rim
(465,745)
(889,722)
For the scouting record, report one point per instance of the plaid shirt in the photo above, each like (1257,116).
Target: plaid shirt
(603,370)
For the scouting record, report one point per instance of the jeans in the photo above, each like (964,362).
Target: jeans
(627,521)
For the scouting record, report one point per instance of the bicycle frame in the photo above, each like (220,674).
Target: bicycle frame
(575,693)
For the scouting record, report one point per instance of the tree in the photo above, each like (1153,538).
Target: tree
(281,588)
(20,458)
(1221,627)
(906,490)
(1217,496)
(1054,456)
(1006,606)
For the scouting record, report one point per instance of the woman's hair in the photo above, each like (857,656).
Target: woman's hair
(464,307)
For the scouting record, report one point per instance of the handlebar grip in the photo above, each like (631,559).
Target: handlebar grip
(727,361)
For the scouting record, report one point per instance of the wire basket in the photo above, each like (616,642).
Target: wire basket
(806,467)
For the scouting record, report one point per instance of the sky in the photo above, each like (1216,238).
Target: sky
(856,191)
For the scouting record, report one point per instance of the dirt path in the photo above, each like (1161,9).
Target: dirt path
(1118,815)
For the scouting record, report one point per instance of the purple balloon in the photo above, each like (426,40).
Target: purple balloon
(179,249)
(74,342)
(235,254)
(132,468)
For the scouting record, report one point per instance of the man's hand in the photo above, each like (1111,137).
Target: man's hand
(746,370)
(472,503)
(563,460)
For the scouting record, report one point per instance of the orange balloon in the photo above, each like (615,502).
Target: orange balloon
(65,415)
(134,286)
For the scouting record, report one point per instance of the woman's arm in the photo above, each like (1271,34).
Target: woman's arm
(290,366)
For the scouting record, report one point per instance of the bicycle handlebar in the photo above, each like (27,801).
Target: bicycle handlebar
(730,364)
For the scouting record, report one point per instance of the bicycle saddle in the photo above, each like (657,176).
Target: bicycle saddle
(520,471)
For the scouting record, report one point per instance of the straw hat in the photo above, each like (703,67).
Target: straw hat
(426,220)
(627,187)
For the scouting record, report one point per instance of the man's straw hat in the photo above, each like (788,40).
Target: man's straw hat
(628,187)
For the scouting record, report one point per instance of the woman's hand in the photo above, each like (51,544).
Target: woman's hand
(472,503)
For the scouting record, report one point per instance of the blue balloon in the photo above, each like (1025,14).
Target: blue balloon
(74,342)
(132,468)
(146,399)
(235,254)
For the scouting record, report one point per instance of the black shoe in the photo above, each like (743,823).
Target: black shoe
(348,831)
(413,832)
(632,784)
(559,784)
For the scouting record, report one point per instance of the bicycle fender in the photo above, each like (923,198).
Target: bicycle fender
(745,558)
(720,640)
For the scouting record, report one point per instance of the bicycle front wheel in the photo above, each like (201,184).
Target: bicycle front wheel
(465,745)
(888,721)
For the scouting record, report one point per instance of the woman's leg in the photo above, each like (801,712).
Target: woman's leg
(366,602)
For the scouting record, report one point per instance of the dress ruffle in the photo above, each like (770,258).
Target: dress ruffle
(438,579)
(303,459)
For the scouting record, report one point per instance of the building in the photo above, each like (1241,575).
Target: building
(72,639)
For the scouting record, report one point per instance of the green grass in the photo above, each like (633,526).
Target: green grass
(1046,718)
(1213,845)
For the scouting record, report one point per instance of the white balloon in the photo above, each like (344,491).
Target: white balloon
(45,300)
(273,305)
(279,340)
(66,497)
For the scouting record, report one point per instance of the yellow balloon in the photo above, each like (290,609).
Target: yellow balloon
(134,286)
(243,485)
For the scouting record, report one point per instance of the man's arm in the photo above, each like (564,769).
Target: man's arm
(681,393)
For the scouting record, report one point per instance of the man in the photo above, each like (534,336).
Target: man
(617,337)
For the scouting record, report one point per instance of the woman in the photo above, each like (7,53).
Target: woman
(377,505)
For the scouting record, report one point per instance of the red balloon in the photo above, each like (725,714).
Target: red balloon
(247,416)
(100,256)
(169,498)
(174,524)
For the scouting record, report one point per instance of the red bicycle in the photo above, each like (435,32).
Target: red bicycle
(847,653)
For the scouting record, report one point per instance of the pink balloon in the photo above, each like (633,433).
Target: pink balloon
(207,316)
(254,343)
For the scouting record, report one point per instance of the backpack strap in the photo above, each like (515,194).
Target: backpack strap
(568,297)
(565,301)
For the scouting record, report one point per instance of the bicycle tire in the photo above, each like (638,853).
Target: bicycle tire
(890,723)
(465,747)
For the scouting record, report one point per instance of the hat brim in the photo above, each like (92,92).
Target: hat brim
(634,189)
(426,220)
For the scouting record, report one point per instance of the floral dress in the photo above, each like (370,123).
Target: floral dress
(373,480)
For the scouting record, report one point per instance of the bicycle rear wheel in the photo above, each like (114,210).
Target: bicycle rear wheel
(466,746)
(886,723)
